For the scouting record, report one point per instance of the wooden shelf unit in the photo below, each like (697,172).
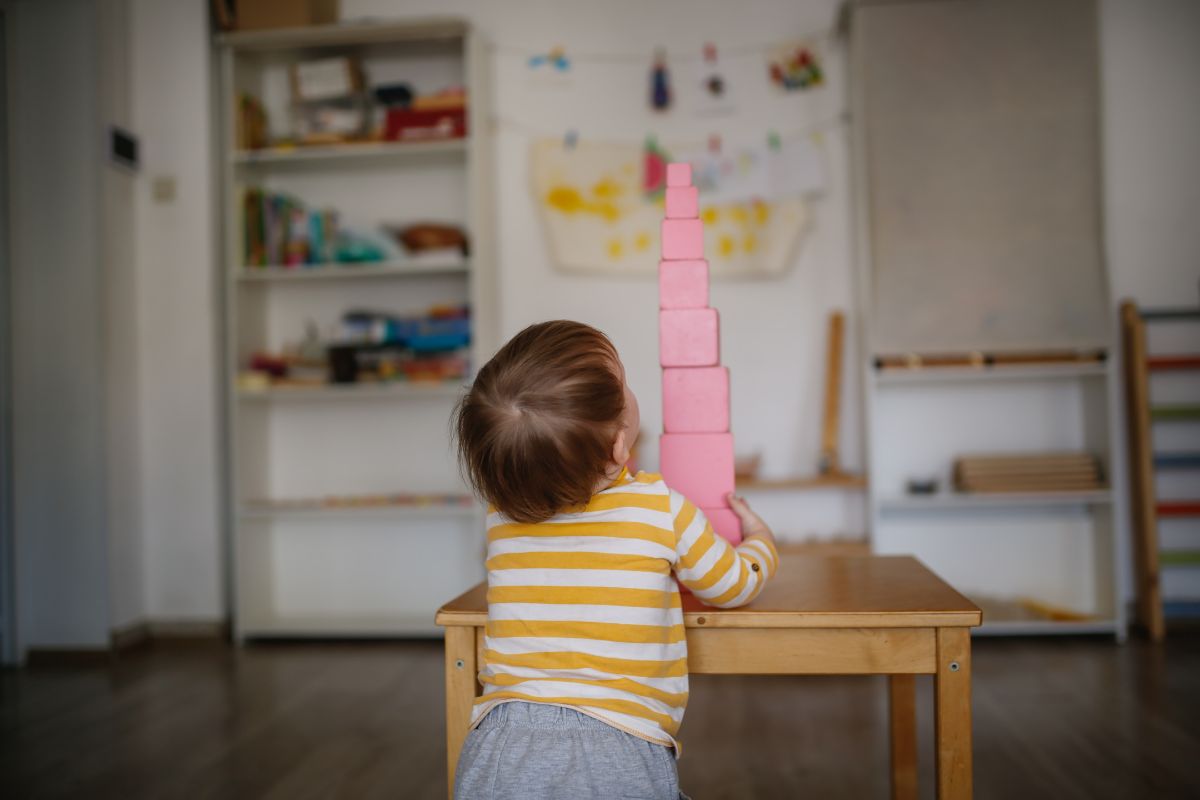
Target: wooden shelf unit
(351,570)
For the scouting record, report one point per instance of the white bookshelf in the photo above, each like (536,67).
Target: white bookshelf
(336,569)
(1045,563)
(1060,549)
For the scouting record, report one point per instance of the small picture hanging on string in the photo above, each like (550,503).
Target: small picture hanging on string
(654,169)
(660,82)
(795,67)
(714,94)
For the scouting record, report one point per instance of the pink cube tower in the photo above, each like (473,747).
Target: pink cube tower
(696,448)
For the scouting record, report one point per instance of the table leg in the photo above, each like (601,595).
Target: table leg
(902,705)
(460,692)
(953,711)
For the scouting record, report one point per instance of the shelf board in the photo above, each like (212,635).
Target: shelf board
(807,483)
(346,33)
(336,153)
(353,391)
(344,272)
(1014,500)
(925,375)
(266,511)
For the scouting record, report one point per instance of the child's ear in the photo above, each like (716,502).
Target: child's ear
(620,451)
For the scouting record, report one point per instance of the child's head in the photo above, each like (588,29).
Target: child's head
(548,421)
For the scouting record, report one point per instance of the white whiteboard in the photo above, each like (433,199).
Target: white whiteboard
(981,169)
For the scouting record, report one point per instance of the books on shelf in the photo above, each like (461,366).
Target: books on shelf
(280,230)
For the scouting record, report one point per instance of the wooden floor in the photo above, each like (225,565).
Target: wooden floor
(1053,719)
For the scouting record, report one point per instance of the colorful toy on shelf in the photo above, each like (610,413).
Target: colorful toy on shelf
(696,448)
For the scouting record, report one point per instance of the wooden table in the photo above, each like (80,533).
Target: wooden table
(858,615)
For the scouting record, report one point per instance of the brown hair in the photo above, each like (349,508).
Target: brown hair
(535,432)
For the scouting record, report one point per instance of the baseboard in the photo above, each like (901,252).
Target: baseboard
(68,657)
(187,629)
(162,631)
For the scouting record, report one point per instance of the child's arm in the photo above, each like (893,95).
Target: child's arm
(715,571)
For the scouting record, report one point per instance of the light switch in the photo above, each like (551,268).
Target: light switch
(163,188)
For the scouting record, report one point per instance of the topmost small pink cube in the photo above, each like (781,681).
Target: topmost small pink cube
(679,174)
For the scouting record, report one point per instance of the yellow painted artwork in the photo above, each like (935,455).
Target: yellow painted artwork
(597,220)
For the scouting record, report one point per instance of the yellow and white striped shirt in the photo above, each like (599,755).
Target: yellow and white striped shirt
(584,610)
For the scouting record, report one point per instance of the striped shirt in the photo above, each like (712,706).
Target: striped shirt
(584,610)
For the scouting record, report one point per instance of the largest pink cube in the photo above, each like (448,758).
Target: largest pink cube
(725,524)
(695,399)
(683,284)
(698,465)
(689,337)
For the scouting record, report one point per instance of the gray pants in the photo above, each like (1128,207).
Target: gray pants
(532,751)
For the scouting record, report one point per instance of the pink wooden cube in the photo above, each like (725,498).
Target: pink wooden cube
(679,174)
(725,523)
(698,465)
(695,399)
(683,202)
(689,337)
(682,239)
(683,284)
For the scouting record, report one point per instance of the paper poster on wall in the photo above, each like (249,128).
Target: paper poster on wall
(598,216)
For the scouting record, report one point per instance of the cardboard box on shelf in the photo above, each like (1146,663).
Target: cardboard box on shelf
(260,15)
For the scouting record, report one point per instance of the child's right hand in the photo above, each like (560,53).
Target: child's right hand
(752,524)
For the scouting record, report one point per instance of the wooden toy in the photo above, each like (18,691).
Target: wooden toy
(688,337)
(683,284)
(725,524)
(683,202)
(682,239)
(699,466)
(696,400)
(679,174)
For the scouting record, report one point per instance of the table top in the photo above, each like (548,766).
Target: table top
(810,592)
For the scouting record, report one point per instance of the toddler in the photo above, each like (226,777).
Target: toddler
(585,662)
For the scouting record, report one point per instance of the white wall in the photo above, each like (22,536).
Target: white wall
(773,335)
(59,401)
(773,331)
(177,309)
(1150,63)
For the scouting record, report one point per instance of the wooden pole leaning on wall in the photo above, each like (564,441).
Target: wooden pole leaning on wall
(830,461)
(1141,469)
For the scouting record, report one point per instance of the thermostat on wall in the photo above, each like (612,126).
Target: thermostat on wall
(123,148)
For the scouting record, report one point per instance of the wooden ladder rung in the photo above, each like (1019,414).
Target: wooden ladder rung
(1162,314)
(1166,363)
(1178,609)
(1179,558)
(1177,460)
(1174,413)
(1178,508)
